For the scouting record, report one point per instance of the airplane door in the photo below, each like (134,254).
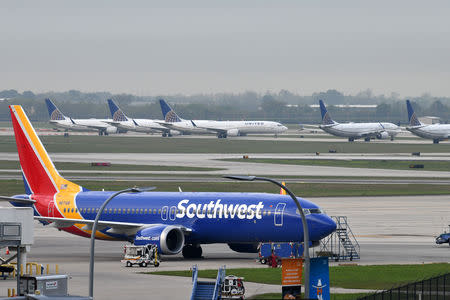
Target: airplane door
(173,213)
(278,215)
(164,213)
(51,208)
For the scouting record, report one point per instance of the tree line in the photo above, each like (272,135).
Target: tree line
(284,106)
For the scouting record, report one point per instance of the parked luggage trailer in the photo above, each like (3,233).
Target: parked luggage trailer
(281,250)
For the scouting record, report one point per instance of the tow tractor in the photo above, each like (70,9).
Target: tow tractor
(140,255)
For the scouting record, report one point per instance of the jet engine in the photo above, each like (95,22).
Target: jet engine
(111,129)
(169,239)
(244,248)
(383,135)
(174,132)
(233,132)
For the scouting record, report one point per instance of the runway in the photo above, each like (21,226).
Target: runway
(390,230)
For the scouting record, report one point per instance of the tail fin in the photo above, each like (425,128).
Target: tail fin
(326,118)
(413,120)
(168,113)
(282,191)
(53,111)
(116,113)
(40,175)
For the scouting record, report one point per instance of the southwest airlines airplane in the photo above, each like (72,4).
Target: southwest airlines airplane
(173,221)
(353,131)
(223,129)
(436,132)
(58,119)
(139,125)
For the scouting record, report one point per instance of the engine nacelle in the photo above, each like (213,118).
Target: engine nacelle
(169,239)
(174,132)
(383,135)
(244,248)
(233,132)
(111,129)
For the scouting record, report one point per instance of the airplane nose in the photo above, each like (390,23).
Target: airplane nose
(322,226)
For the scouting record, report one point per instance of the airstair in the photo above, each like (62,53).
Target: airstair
(341,244)
(207,290)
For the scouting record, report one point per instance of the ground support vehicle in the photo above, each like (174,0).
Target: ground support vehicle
(141,255)
(233,288)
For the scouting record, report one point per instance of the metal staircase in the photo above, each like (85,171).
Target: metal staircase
(341,244)
(207,290)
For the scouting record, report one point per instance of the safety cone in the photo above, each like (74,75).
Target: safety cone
(7,251)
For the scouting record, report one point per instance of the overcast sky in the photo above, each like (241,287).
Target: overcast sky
(168,47)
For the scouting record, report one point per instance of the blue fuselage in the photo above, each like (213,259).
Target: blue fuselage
(212,217)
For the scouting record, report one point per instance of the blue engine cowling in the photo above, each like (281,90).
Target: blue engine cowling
(169,239)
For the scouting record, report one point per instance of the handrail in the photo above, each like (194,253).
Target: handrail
(219,280)
(194,281)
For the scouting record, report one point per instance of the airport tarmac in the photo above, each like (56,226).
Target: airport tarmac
(213,160)
(390,230)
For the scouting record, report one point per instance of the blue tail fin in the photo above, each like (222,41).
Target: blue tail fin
(326,118)
(168,113)
(413,120)
(116,113)
(53,111)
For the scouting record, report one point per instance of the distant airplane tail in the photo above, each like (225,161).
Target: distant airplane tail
(168,113)
(326,118)
(283,191)
(54,113)
(413,120)
(39,174)
(116,113)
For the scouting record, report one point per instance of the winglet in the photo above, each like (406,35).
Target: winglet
(326,118)
(116,113)
(53,111)
(169,114)
(193,124)
(413,120)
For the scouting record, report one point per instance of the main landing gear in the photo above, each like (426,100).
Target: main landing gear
(436,141)
(192,251)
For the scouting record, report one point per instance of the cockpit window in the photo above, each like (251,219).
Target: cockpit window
(308,211)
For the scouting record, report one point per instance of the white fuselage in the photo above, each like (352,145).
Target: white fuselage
(141,125)
(84,124)
(359,130)
(241,127)
(434,131)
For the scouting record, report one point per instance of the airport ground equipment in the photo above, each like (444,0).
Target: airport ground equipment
(341,244)
(281,250)
(16,232)
(141,255)
(233,288)
(207,290)
(444,238)
(47,285)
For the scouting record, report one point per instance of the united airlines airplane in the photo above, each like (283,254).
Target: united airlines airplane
(436,132)
(139,125)
(58,119)
(174,221)
(222,129)
(353,131)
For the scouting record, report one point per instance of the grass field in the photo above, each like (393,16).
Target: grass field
(9,164)
(11,187)
(125,144)
(354,163)
(276,296)
(376,277)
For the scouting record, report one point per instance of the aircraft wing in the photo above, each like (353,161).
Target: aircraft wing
(98,127)
(114,227)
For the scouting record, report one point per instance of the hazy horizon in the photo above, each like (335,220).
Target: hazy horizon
(151,48)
